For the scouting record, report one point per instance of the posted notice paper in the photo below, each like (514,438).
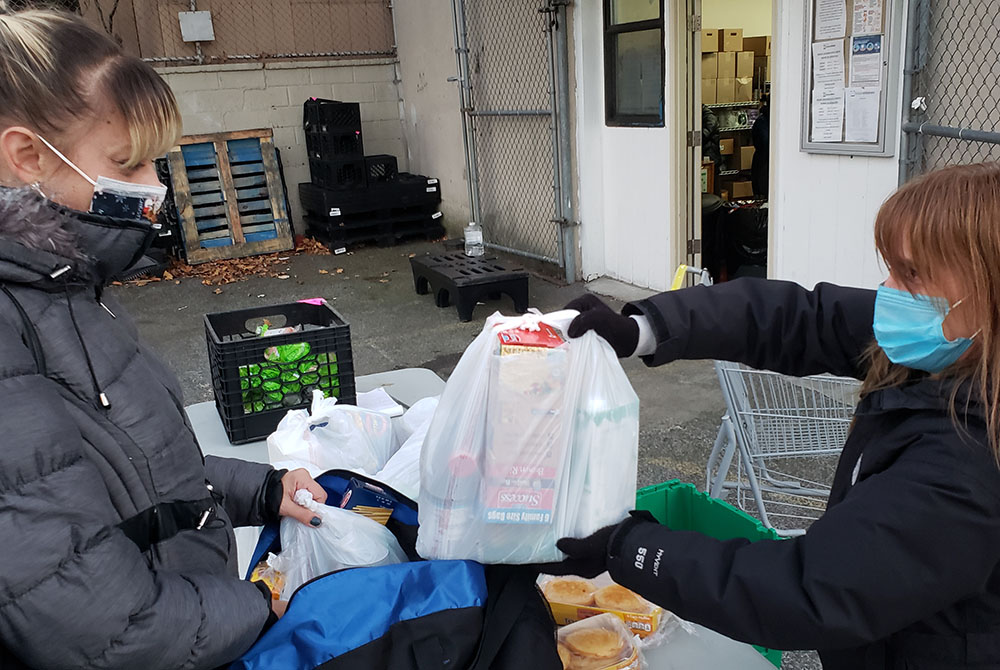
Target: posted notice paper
(867,17)
(861,109)
(828,117)
(866,61)
(828,62)
(830,19)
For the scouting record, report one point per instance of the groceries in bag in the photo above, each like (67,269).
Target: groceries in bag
(535,438)
(343,540)
(330,436)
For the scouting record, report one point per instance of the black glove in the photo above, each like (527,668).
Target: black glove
(588,557)
(621,332)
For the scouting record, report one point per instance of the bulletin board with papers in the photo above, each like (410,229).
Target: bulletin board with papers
(851,74)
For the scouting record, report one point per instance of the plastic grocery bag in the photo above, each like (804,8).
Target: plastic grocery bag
(344,540)
(333,436)
(402,472)
(535,438)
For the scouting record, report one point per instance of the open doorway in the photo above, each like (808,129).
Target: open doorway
(733,77)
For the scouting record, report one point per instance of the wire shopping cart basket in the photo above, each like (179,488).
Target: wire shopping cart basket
(783,433)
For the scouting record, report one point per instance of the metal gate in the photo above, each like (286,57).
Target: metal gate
(950,88)
(514,94)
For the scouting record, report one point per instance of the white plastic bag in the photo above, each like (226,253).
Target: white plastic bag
(527,446)
(402,472)
(344,540)
(332,435)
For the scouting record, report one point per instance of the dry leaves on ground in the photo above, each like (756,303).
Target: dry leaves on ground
(217,273)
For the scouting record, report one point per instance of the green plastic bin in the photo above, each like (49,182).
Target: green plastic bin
(683,507)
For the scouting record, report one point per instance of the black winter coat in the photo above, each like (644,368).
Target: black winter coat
(75,590)
(902,569)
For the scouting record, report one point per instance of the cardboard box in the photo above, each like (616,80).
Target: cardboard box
(743,90)
(710,66)
(711,40)
(708,92)
(726,65)
(744,64)
(732,39)
(724,194)
(725,89)
(760,46)
(742,189)
(726,146)
(746,157)
(707,175)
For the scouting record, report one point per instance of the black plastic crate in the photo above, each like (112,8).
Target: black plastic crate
(383,231)
(408,190)
(335,145)
(339,174)
(381,168)
(319,115)
(257,378)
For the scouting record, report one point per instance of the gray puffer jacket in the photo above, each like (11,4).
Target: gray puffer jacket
(94,435)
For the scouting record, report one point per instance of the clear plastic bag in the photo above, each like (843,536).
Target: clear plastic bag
(333,436)
(344,540)
(402,472)
(528,444)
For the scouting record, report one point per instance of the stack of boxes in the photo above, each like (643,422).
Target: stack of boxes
(733,67)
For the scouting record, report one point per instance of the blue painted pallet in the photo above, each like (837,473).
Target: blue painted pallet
(229,196)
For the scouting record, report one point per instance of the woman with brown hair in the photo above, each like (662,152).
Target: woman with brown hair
(118,547)
(903,569)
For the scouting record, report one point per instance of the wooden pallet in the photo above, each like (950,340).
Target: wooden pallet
(229,195)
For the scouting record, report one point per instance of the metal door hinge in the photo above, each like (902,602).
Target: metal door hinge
(694,246)
(694,23)
(565,223)
(694,138)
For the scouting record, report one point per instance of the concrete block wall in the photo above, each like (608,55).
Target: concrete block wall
(222,98)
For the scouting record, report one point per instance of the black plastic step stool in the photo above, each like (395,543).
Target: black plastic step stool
(455,277)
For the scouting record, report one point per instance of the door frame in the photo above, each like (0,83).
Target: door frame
(685,61)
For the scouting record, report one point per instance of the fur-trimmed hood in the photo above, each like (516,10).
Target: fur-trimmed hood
(38,238)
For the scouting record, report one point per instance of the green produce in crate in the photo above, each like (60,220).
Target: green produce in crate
(293,387)
(310,379)
(289,376)
(270,372)
(244,384)
(271,386)
(273,397)
(287,353)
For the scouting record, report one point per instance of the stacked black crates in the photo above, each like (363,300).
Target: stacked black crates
(354,198)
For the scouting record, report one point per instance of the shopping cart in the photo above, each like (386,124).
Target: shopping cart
(785,434)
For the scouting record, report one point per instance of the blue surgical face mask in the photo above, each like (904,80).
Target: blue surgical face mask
(909,329)
(119,199)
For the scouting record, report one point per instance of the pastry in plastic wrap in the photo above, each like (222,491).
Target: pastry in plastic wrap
(573,599)
(599,643)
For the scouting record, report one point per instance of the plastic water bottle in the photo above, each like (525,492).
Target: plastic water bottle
(474,240)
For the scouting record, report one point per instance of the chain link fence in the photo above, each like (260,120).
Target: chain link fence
(245,30)
(954,93)
(509,107)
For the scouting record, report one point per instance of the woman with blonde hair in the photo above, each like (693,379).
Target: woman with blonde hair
(118,547)
(903,569)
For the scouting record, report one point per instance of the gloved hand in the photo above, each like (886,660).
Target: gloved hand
(621,332)
(586,557)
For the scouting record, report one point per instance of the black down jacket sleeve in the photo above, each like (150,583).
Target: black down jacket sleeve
(766,324)
(74,591)
(904,544)
(244,487)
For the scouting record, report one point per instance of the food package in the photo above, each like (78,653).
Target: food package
(273,579)
(598,643)
(573,599)
(535,438)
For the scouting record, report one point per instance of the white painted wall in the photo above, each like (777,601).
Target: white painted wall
(625,174)
(753,16)
(432,124)
(222,98)
(823,207)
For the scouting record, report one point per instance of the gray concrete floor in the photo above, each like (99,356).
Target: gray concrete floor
(392,327)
